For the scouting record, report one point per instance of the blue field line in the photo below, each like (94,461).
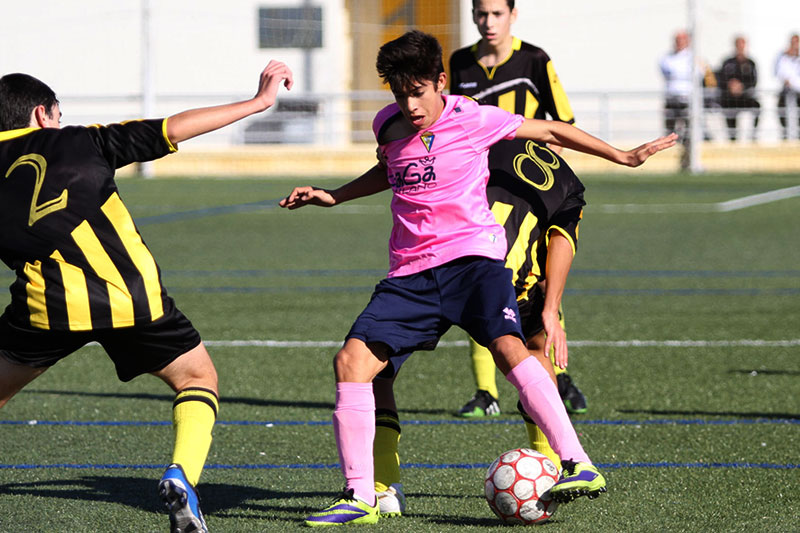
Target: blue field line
(207,212)
(454,422)
(429,466)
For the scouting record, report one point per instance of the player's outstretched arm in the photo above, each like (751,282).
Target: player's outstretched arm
(559,261)
(371,182)
(569,136)
(194,122)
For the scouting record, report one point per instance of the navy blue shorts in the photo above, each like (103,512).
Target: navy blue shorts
(410,313)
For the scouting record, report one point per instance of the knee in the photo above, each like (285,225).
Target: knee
(508,351)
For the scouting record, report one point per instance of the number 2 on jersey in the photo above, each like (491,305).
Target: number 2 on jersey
(39,165)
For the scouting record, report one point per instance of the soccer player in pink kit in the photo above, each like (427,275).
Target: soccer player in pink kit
(446,262)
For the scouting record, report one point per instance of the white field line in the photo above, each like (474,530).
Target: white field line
(759,343)
(757,199)
(719,207)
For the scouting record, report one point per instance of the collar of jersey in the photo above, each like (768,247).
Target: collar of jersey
(516,44)
(11,134)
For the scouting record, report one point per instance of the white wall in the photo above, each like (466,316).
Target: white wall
(616,44)
(208,49)
(92,47)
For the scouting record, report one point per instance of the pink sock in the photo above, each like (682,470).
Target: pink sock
(354,427)
(541,401)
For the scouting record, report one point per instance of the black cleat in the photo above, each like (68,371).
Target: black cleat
(573,398)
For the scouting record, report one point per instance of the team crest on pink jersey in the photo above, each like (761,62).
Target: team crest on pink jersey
(427,140)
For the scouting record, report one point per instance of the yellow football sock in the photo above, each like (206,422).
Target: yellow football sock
(384,449)
(483,368)
(537,438)
(540,444)
(194,412)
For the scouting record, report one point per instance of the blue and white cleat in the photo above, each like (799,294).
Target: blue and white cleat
(345,510)
(182,502)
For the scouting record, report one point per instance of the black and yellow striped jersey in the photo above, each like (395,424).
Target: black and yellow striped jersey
(531,194)
(531,190)
(80,261)
(525,83)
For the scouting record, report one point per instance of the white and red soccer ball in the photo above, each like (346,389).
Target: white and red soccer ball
(517,487)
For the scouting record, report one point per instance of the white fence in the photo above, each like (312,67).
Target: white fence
(342,119)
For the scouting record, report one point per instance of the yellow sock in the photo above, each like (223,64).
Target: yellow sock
(539,442)
(384,449)
(483,368)
(194,412)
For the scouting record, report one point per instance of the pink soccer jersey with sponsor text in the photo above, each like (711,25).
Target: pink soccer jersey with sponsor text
(438,177)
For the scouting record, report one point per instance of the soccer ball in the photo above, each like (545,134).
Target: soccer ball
(517,487)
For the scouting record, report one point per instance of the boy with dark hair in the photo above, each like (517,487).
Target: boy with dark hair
(446,263)
(83,271)
(504,71)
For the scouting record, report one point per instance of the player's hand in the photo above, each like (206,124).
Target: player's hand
(640,154)
(301,196)
(555,338)
(275,74)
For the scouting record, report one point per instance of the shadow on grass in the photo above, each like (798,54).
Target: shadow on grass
(766,372)
(219,500)
(140,493)
(737,414)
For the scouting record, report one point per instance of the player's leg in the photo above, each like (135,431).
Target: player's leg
(26,352)
(574,400)
(13,377)
(388,488)
(355,366)
(194,411)
(490,313)
(171,349)
(485,400)
(540,399)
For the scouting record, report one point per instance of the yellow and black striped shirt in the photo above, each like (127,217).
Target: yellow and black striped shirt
(524,83)
(531,189)
(531,194)
(80,261)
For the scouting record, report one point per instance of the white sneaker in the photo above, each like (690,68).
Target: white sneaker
(392,501)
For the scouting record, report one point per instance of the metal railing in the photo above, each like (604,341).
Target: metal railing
(340,119)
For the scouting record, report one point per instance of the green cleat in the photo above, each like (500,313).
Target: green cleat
(481,404)
(345,510)
(578,479)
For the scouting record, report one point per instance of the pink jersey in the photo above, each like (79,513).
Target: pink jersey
(438,177)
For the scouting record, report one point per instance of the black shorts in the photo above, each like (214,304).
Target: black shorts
(530,312)
(135,350)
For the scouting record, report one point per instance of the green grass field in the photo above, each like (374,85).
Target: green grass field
(684,322)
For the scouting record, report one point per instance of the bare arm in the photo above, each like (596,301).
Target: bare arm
(569,136)
(371,182)
(194,122)
(559,261)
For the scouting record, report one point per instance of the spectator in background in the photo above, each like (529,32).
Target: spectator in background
(787,70)
(737,80)
(677,70)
